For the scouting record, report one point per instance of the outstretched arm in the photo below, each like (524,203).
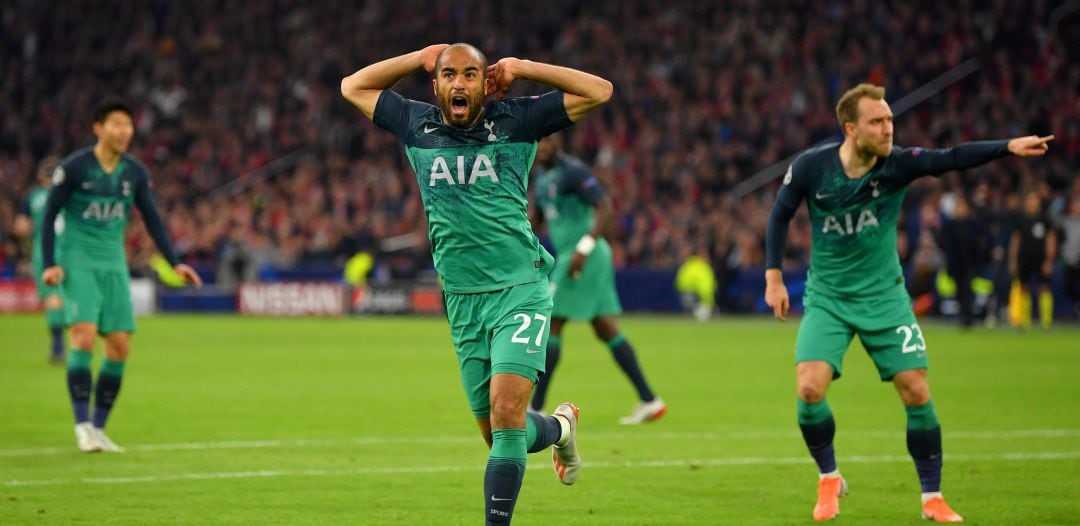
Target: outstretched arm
(364,87)
(921,161)
(582,92)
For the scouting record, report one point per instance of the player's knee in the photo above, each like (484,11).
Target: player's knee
(508,408)
(915,395)
(82,338)
(507,411)
(117,351)
(117,347)
(811,392)
(913,388)
(117,354)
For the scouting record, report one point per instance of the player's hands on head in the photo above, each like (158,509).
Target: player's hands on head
(53,275)
(500,76)
(1030,146)
(188,274)
(776,295)
(429,54)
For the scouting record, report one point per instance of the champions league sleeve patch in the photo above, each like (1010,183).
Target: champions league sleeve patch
(58,176)
(787,176)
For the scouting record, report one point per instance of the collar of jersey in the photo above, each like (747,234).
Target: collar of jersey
(479,121)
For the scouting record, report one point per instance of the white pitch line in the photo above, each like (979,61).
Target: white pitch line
(257,444)
(634,464)
(973,435)
(462,439)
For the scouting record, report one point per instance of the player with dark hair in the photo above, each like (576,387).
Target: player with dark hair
(28,224)
(1032,253)
(472,162)
(573,204)
(95,189)
(855,285)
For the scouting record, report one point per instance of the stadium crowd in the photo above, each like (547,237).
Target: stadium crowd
(257,161)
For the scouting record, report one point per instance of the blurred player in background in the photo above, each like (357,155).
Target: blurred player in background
(1032,252)
(28,224)
(96,189)
(855,285)
(472,163)
(966,245)
(577,211)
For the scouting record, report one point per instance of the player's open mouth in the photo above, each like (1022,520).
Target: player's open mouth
(459,104)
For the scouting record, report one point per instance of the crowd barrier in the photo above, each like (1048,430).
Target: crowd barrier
(295,292)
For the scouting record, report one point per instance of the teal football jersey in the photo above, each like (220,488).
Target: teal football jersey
(566,194)
(853,249)
(96,207)
(474,183)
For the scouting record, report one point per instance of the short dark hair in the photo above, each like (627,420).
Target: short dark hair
(462,45)
(107,107)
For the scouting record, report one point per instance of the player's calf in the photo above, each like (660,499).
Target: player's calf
(504,473)
(80,382)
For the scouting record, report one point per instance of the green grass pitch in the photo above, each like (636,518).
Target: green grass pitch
(232,420)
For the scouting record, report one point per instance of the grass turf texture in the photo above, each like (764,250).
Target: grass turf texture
(362,421)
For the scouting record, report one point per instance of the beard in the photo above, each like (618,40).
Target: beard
(460,109)
(874,149)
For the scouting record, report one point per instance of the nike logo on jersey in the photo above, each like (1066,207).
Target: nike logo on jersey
(820,195)
(87,186)
(431,129)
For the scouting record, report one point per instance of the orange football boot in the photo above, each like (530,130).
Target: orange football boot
(829,492)
(937,510)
